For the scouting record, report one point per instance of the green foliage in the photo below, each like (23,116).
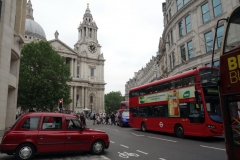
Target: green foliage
(112,101)
(43,77)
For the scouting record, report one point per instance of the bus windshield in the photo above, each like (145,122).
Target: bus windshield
(233,34)
(206,75)
(214,108)
(125,114)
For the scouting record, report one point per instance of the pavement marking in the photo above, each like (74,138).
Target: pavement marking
(162,158)
(124,146)
(162,139)
(105,158)
(137,134)
(112,142)
(141,152)
(213,148)
(116,130)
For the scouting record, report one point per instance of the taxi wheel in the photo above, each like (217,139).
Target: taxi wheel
(25,152)
(143,127)
(179,131)
(97,147)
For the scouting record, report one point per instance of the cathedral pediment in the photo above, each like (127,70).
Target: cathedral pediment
(61,47)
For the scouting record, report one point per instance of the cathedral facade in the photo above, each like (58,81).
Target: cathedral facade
(85,60)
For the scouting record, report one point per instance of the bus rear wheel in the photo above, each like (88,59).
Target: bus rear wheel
(143,127)
(179,131)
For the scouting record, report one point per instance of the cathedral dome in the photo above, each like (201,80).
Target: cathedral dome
(34,28)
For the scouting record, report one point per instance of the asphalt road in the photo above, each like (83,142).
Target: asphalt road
(129,143)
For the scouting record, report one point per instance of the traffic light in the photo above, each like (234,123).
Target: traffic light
(60,103)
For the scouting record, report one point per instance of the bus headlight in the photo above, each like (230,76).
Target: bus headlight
(211,126)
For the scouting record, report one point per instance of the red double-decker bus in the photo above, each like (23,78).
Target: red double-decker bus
(229,85)
(183,104)
(124,105)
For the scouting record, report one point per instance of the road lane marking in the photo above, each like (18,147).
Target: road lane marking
(137,134)
(213,148)
(141,152)
(103,157)
(162,158)
(112,142)
(162,139)
(124,146)
(116,130)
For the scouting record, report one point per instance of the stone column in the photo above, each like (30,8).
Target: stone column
(75,67)
(85,96)
(96,35)
(71,67)
(75,98)
(82,99)
(71,95)
(86,32)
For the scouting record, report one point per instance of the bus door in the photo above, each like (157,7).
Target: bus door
(232,109)
(196,117)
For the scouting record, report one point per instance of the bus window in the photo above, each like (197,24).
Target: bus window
(159,111)
(233,34)
(149,90)
(165,86)
(196,114)
(214,108)
(149,111)
(142,112)
(157,88)
(189,81)
(142,92)
(135,112)
(176,84)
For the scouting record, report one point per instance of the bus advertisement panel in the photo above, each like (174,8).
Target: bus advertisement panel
(181,104)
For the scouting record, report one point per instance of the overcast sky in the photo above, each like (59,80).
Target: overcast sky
(128,31)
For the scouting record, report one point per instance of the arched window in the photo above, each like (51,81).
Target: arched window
(91,99)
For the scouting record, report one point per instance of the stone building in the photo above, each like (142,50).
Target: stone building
(143,76)
(189,29)
(12,26)
(86,61)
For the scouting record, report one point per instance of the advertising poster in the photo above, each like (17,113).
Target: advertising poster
(172,97)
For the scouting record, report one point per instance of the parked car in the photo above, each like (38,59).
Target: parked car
(51,132)
(123,117)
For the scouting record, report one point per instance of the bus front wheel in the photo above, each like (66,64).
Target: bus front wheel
(179,131)
(143,127)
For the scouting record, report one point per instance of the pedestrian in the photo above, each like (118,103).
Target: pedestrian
(106,119)
(112,119)
(94,118)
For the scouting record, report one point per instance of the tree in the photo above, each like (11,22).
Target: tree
(112,101)
(43,78)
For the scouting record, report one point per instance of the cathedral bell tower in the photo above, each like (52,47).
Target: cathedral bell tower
(87,43)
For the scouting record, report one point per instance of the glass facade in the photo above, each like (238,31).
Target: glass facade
(205,13)
(185,2)
(180,25)
(220,31)
(179,4)
(188,23)
(190,50)
(217,7)
(209,41)
(183,53)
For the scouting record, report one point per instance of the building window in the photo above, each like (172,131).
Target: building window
(92,72)
(171,36)
(0,8)
(170,14)
(188,24)
(217,7)
(209,41)
(190,50)
(179,4)
(205,13)
(207,65)
(180,25)
(91,99)
(185,2)
(183,53)
(216,64)
(220,31)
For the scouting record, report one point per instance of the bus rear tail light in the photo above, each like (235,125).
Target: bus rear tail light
(210,126)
